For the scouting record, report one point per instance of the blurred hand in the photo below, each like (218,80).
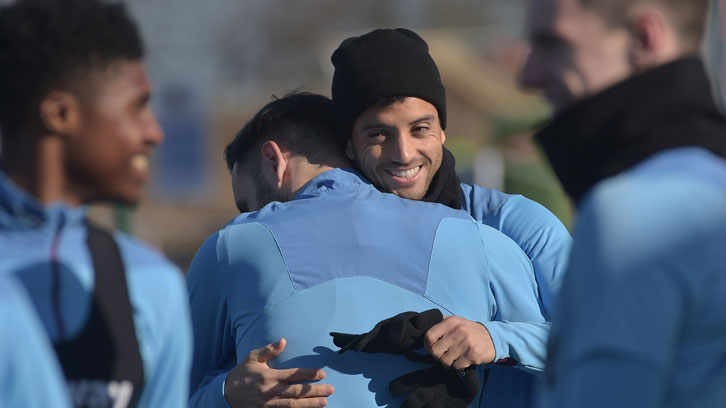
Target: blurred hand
(459,343)
(254,384)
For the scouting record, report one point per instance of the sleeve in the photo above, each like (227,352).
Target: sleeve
(168,385)
(214,345)
(211,390)
(518,329)
(536,230)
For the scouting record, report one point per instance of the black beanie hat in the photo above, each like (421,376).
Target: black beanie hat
(381,64)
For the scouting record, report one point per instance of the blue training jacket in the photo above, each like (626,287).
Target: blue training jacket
(38,241)
(641,321)
(30,376)
(547,243)
(341,257)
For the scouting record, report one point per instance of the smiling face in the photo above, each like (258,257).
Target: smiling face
(399,147)
(574,52)
(107,157)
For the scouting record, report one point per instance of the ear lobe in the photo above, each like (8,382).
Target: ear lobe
(443,137)
(59,113)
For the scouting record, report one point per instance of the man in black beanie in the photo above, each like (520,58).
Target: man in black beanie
(392,109)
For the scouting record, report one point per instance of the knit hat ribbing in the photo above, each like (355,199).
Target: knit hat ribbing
(380,64)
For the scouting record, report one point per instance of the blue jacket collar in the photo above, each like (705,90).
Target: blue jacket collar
(332,180)
(20,210)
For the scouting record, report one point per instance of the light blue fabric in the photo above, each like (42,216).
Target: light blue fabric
(547,243)
(157,291)
(30,376)
(341,257)
(534,228)
(641,321)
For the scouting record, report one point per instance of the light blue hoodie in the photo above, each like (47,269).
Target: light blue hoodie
(38,241)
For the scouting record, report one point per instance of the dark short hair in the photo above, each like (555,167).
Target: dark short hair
(302,122)
(689,16)
(50,44)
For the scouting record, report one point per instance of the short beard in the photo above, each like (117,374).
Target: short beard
(265,192)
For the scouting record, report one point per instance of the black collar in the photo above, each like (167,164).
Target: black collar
(669,106)
(445,187)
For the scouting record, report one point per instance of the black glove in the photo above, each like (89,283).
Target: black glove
(437,387)
(396,335)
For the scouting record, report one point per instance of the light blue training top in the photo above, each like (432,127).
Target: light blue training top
(38,242)
(641,321)
(341,257)
(547,243)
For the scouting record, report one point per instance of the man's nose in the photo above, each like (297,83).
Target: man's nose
(153,134)
(403,148)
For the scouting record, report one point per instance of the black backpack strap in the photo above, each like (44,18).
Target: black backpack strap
(105,355)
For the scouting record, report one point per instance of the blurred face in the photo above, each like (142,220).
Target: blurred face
(574,52)
(399,147)
(107,159)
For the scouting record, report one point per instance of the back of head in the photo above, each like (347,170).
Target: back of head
(383,64)
(48,45)
(688,17)
(303,123)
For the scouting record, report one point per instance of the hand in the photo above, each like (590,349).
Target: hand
(254,384)
(459,343)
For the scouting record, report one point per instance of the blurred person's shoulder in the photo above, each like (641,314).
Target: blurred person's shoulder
(138,253)
(142,260)
(686,177)
(659,207)
(156,286)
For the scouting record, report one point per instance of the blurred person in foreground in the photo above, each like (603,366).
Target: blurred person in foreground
(77,128)
(324,250)
(391,105)
(639,145)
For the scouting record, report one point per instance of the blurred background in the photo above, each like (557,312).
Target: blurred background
(214,63)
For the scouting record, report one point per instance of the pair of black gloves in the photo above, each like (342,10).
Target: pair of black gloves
(433,387)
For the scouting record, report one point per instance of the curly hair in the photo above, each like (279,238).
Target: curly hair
(54,44)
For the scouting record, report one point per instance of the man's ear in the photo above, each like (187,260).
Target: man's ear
(653,41)
(60,113)
(443,137)
(274,163)
(349,149)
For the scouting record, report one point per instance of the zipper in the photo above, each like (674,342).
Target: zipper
(55,280)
